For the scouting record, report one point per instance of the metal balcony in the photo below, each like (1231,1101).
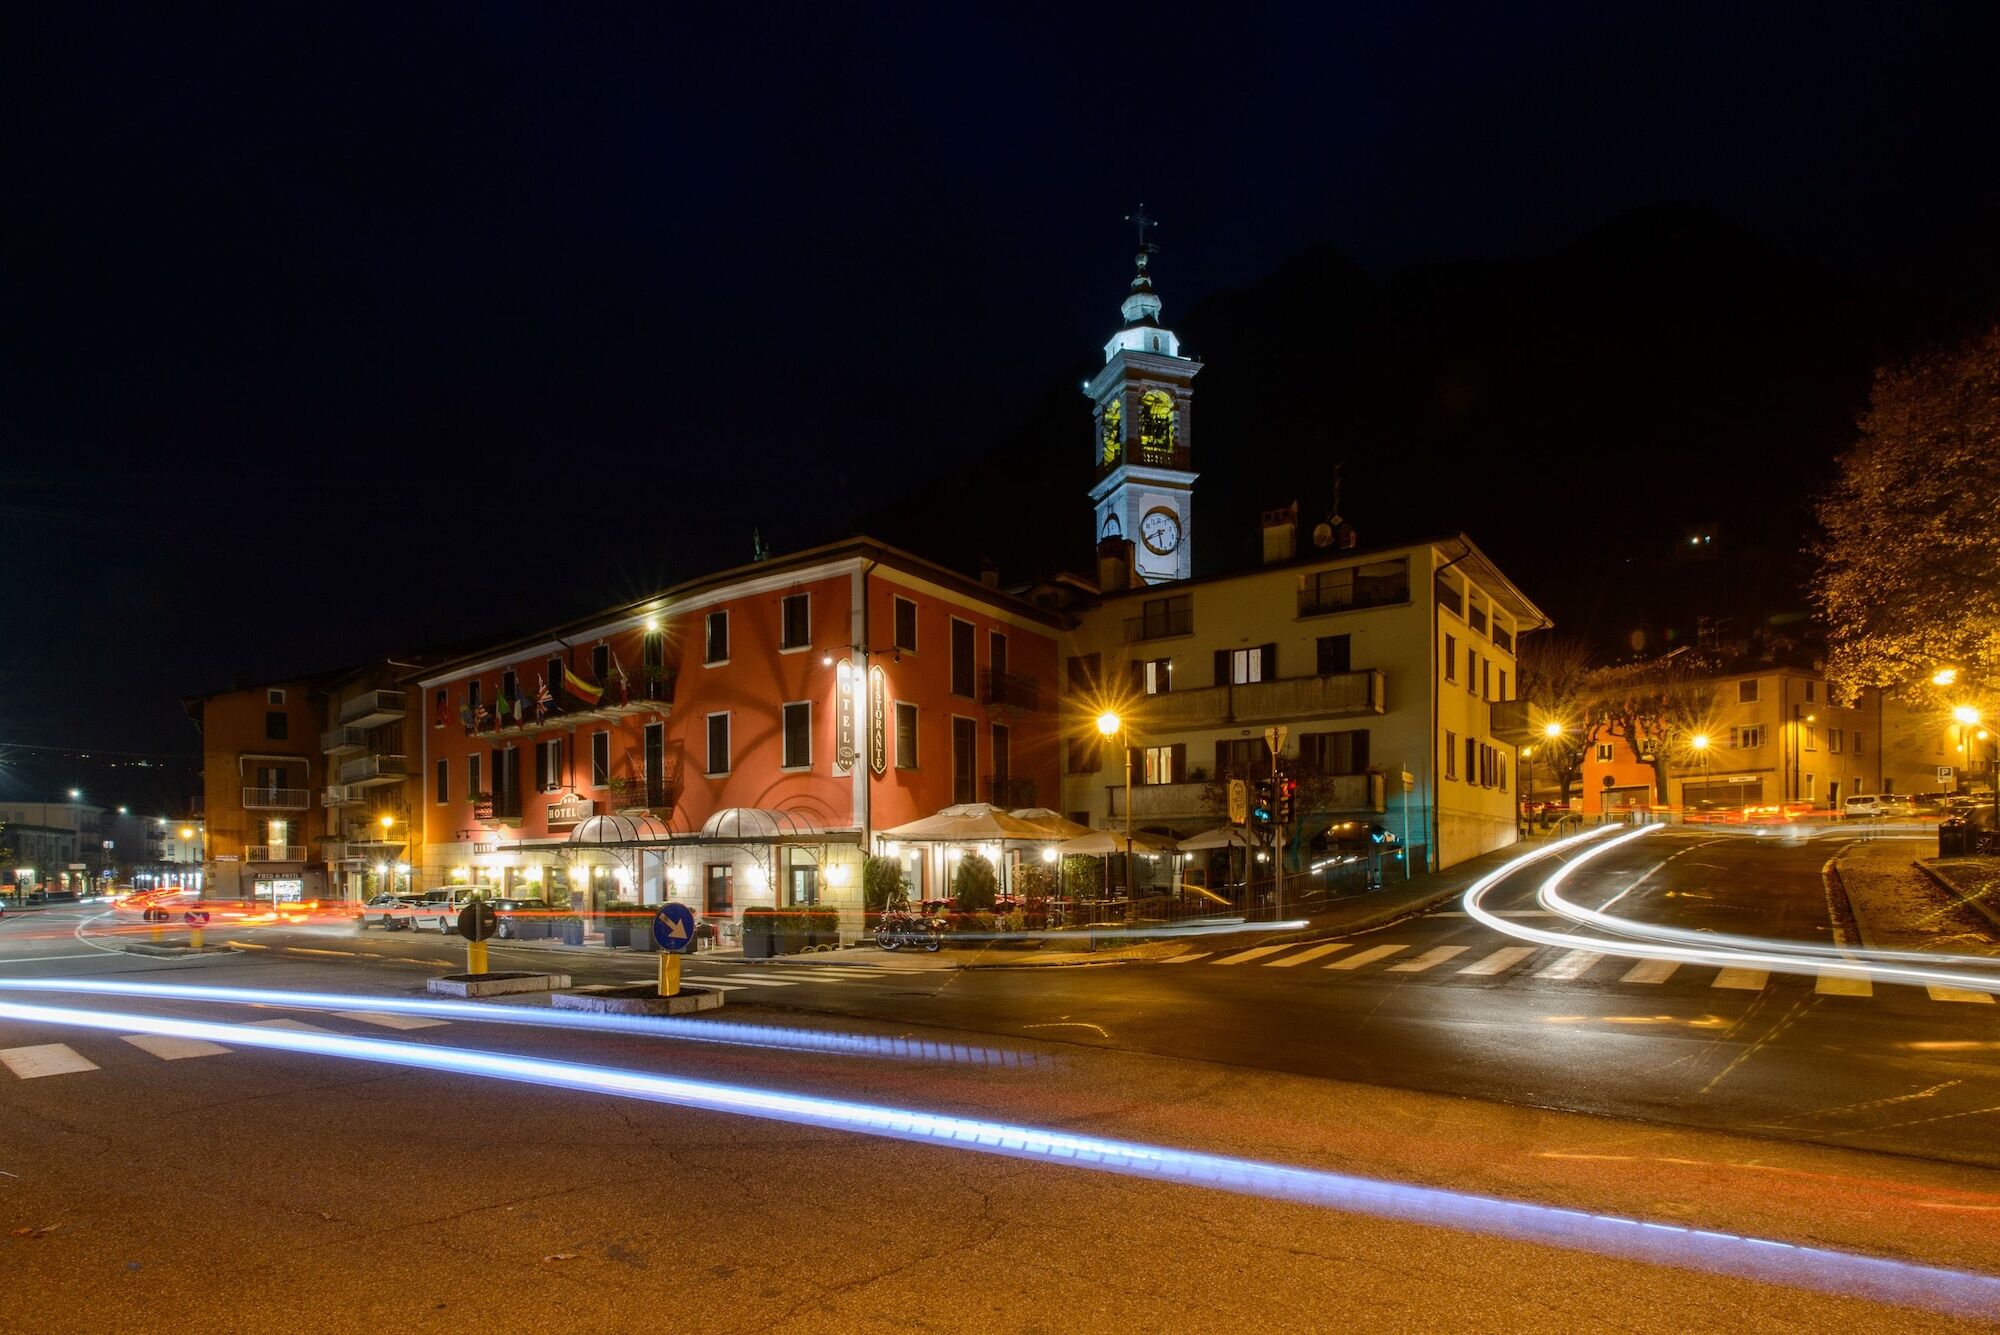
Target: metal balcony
(1319,795)
(275,853)
(276,799)
(373,708)
(1289,699)
(1015,690)
(369,771)
(340,795)
(335,741)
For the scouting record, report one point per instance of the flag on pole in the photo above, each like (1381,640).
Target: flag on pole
(624,686)
(542,698)
(580,688)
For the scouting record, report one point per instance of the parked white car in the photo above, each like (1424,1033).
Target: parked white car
(438,910)
(1865,804)
(387,911)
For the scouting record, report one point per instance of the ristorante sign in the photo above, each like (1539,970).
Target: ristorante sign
(878,720)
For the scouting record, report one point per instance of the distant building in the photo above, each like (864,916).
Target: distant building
(56,843)
(261,766)
(372,740)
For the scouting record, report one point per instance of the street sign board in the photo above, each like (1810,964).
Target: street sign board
(197,917)
(1275,738)
(673,927)
(1239,801)
(1944,774)
(1409,781)
(476,921)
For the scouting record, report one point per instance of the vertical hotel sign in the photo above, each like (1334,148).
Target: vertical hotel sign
(878,720)
(843,713)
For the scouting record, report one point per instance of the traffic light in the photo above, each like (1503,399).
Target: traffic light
(1262,808)
(1287,804)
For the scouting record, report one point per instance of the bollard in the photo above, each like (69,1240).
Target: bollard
(475,957)
(194,937)
(670,973)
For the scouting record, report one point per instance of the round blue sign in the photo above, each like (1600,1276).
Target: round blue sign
(673,927)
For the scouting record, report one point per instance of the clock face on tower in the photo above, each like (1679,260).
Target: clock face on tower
(1160,530)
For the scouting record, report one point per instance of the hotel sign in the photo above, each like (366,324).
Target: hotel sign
(573,811)
(878,721)
(843,714)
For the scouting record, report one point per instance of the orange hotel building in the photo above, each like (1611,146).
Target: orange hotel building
(741,740)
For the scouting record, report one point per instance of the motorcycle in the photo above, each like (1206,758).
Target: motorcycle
(899,927)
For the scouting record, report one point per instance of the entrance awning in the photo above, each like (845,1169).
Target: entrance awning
(618,832)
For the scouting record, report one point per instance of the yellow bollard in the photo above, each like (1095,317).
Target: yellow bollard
(194,937)
(475,957)
(670,973)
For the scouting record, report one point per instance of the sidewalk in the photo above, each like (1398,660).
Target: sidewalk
(1974,882)
(1899,904)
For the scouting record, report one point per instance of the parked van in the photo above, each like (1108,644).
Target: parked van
(438,910)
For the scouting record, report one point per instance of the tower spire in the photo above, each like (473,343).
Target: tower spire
(1142,303)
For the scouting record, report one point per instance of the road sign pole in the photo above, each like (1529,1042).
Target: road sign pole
(670,973)
(475,957)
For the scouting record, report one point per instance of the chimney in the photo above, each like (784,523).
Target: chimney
(989,573)
(1115,565)
(1281,534)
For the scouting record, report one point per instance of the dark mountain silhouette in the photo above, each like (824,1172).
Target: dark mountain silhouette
(1582,414)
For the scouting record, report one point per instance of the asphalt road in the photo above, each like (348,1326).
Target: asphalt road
(1775,1056)
(251,1189)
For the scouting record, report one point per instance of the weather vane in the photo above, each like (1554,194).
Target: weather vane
(1139,220)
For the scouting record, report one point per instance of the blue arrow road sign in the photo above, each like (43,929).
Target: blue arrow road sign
(673,927)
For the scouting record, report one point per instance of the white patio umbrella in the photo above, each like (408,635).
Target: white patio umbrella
(1222,836)
(1054,823)
(1102,843)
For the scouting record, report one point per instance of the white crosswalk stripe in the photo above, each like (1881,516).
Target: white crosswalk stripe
(171,1049)
(1499,961)
(1835,985)
(1430,959)
(296,1026)
(1574,964)
(1254,953)
(1302,956)
(1743,980)
(1190,958)
(1959,994)
(1651,971)
(1366,957)
(388,1021)
(762,979)
(696,980)
(41,1059)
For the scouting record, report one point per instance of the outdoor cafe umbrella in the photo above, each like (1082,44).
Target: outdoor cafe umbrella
(1103,843)
(969,823)
(1222,836)
(1054,824)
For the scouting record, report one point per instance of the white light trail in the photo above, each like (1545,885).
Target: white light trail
(1783,957)
(646,1026)
(1932,1288)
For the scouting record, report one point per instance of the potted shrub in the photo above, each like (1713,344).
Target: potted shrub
(616,917)
(760,936)
(571,930)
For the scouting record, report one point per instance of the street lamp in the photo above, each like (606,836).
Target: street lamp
(1968,717)
(1110,725)
(1700,744)
(1528,791)
(1945,677)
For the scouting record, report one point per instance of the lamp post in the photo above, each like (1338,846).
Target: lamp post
(1553,731)
(1969,718)
(1528,791)
(1700,744)
(1110,725)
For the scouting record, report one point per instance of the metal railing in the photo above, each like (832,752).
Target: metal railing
(1160,625)
(276,799)
(655,795)
(1017,689)
(343,739)
(1283,700)
(275,853)
(364,768)
(1209,800)
(340,795)
(1008,791)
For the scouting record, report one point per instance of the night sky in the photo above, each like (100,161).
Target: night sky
(329,331)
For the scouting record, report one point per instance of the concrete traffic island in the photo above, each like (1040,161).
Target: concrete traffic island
(637,999)
(168,951)
(495,984)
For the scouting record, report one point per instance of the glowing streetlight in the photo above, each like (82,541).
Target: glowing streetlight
(1109,723)
(1945,677)
(187,832)
(1966,715)
(75,793)
(1699,741)
(1552,729)
(1700,744)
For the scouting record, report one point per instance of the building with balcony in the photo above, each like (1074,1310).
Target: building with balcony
(53,844)
(261,772)
(373,835)
(1374,671)
(739,739)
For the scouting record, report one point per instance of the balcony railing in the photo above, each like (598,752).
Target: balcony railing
(640,693)
(1160,625)
(336,740)
(364,771)
(374,707)
(1145,456)
(341,795)
(1339,695)
(1015,689)
(1352,596)
(1009,791)
(655,796)
(275,853)
(1320,795)
(276,799)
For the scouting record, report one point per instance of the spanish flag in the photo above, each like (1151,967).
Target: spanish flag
(579,688)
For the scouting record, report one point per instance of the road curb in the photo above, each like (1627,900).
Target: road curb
(1840,906)
(1943,883)
(173,952)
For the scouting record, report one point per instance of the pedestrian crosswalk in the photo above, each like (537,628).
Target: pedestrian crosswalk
(1550,964)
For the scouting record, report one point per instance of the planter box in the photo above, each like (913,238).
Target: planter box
(759,942)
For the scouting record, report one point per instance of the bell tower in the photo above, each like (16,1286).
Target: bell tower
(1143,434)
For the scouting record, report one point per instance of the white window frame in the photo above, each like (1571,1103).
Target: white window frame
(1246,666)
(784,648)
(274,695)
(708,638)
(1156,676)
(708,743)
(786,763)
